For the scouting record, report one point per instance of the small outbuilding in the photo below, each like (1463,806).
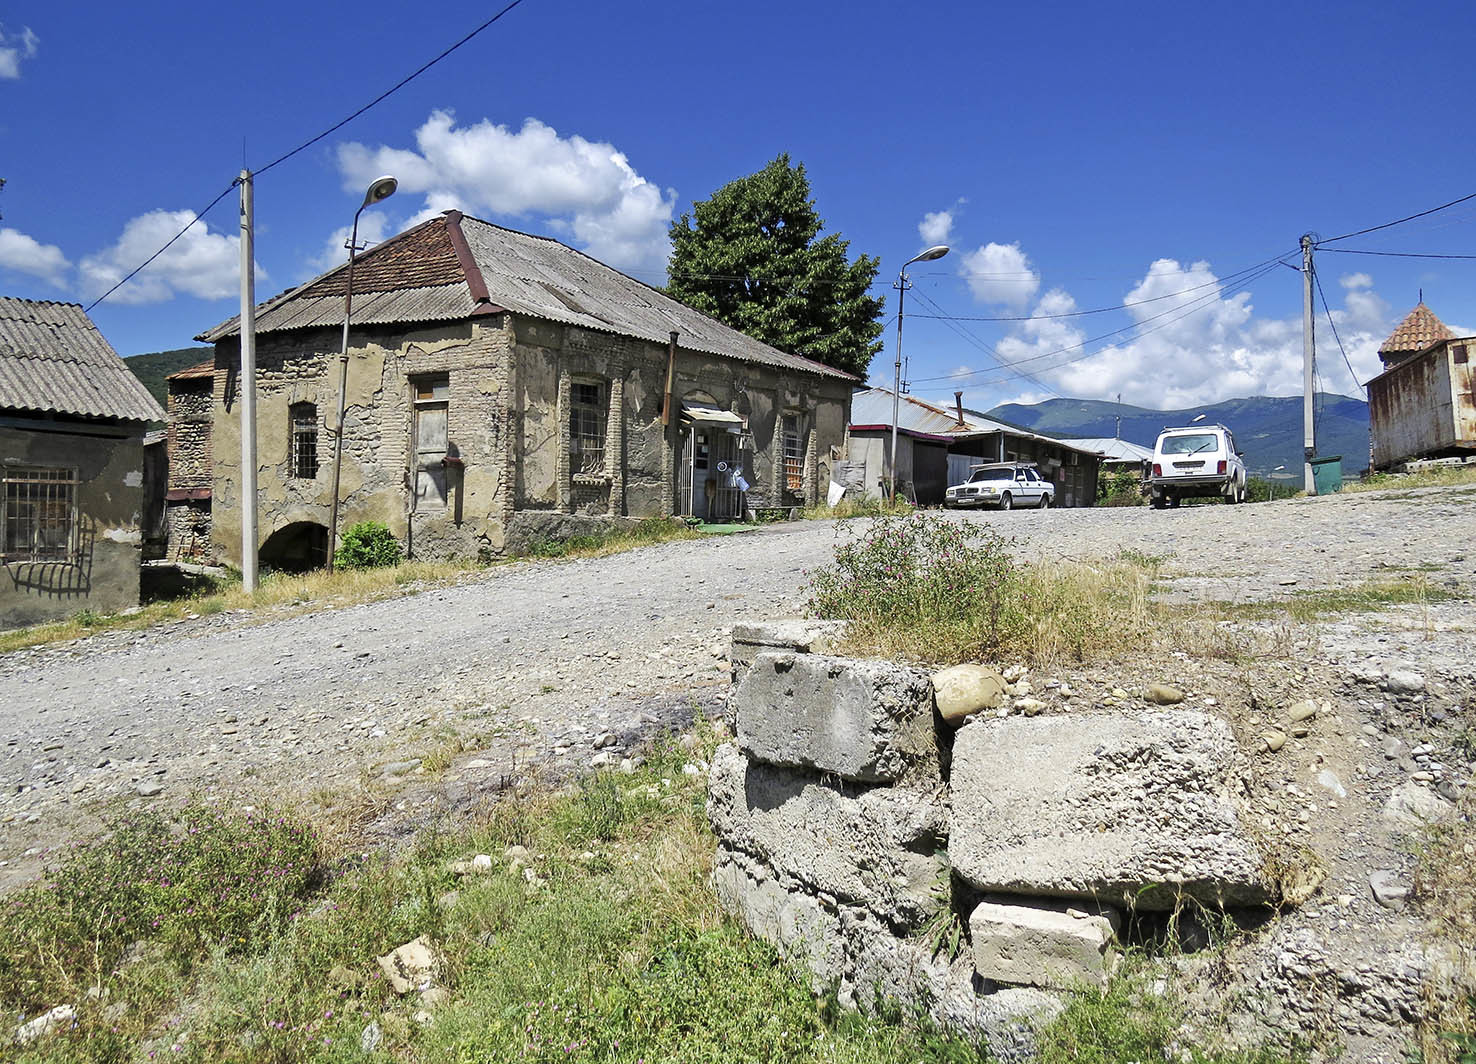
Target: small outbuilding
(1423,405)
(72,424)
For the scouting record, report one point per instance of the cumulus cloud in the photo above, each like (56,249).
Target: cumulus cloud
(200,263)
(1000,275)
(935,227)
(1194,342)
(374,226)
(15,48)
(584,189)
(25,254)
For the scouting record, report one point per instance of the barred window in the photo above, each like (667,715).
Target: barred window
(38,522)
(794,455)
(587,413)
(304,418)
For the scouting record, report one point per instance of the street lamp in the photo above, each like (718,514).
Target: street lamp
(382,188)
(937,251)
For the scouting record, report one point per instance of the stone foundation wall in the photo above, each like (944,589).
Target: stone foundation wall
(972,865)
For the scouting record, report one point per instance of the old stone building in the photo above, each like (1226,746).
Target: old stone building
(72,422)
(502,385)
(187,498)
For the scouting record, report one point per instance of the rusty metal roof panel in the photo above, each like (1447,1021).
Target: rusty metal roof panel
(54,360)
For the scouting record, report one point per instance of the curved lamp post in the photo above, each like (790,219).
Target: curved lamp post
(937,251)
(382,188)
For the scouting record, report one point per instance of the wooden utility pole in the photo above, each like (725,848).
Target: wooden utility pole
(248,386)
(1309,441)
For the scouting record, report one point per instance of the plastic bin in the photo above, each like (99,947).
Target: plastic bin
(1327,474)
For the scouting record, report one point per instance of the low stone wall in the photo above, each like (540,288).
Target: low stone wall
(967,862)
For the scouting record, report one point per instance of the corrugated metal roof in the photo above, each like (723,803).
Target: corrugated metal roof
(54,360)
(196,372)
(1114,450)
(532,275)
(873,406)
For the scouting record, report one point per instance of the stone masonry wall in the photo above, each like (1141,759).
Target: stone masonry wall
(868,814)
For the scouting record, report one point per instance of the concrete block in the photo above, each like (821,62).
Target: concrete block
(868,721)
(1131,810)
(804,929)
(1050,945)
(870,846)
(795,635)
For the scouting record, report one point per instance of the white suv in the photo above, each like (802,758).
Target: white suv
(1196,461)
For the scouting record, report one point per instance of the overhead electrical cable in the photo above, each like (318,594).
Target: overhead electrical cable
(1396,254)
(1396,221)
(978,342)
(1328,311)
(305,145)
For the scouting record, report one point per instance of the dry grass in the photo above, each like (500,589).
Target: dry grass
(1441,477)
(1445,890)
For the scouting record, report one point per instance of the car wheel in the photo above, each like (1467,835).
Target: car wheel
(1005,502)
(1045,501)
(1157,502)
(1173,502)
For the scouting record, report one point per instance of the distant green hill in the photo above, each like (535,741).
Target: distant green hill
(153,368)
(1268,429)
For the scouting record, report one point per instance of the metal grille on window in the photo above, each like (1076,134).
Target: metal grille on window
(794,456)
(587,428)
(40,514)
(304,418)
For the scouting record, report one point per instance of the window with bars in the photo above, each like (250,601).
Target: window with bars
(587,413)
(793,453)
(38,522)
(304,419)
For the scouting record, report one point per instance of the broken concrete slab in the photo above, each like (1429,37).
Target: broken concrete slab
(793,635)
(802,927)
(960,691)
(1131,810)
(1045,945)
(871,846)
(868,721)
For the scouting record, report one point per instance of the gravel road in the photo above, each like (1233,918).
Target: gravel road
(555,662)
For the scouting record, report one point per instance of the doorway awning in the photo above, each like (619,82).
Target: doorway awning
(701,413)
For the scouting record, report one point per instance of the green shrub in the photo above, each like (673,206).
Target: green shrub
(204,880)
(1120,488)
(367,545)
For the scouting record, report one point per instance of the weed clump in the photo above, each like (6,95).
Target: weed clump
(367,545)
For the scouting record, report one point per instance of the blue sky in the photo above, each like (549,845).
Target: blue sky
(1075,156)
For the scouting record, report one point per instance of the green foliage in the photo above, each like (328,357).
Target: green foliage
(1122,487)
(204,880)
(367,545)
(752,256)
(152,369)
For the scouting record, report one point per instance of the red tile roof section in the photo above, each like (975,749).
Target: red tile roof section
(420,258)
(1418,331)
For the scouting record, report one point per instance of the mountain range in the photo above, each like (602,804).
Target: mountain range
(1267,428)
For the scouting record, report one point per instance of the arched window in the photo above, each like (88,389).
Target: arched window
(304,420)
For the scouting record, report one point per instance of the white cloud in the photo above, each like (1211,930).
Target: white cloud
(15,47)
(374,226)
(200,263)
(1001,275)
(1195,343)
(935,227)
(586,189)
(25,254)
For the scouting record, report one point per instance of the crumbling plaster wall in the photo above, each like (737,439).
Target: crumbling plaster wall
(378,433)
(545,352)
(109,507)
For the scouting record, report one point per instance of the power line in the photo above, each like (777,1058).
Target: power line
(1397,221)
(977,341)
(168,244)
(303,146)
(396,87)
(1317,280)
(1396,254)
(1230,278)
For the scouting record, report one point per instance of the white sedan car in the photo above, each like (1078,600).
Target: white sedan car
(1003,486)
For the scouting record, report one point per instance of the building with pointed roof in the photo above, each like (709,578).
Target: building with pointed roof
(72,423)
(503,387)
(1423,405)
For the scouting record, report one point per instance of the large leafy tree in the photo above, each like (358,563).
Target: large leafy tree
(752,256)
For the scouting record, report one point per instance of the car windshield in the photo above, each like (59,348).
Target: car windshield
(991,474)
(1190,444)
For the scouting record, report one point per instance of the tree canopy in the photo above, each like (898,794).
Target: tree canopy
(752,256)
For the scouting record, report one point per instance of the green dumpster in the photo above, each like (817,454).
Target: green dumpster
(1327,474)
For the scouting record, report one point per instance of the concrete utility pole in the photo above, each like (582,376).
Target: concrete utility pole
(1309,441)
(248,386)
